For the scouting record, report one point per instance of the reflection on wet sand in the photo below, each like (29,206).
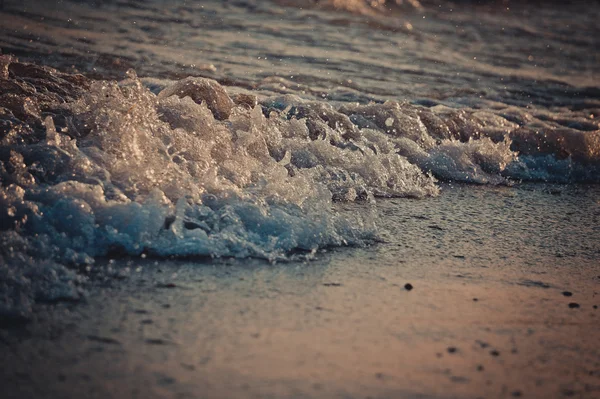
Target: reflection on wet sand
(487,315)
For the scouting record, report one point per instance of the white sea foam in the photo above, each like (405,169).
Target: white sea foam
(186,171)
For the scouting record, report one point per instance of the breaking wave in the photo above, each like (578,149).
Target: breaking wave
(95,168)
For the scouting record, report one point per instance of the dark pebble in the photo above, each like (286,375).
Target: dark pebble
(332,284)
(495,353)
(595,306)
(482,344)
(166,380)
(189,367)
(156,341)
(567,293)
(517,394)
(103,340)
(452,349)
(573,305)
(480,368)
(475,299)
(408,286)
(167,285)
(534,283)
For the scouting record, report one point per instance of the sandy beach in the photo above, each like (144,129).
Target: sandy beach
(479,322)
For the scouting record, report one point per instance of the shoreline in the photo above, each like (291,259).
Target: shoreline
(343,325)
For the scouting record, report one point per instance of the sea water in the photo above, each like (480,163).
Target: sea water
(240,129)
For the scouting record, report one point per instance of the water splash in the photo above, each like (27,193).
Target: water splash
(93,168)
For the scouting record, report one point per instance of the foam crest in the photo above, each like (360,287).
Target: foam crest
(120,170)
(112,169)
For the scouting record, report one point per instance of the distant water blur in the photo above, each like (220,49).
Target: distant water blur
(515,53)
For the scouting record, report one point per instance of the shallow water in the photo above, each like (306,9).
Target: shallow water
(514,54)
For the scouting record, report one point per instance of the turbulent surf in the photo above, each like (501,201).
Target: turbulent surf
(165,165)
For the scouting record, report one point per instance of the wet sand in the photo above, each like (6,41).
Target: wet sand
(489,314)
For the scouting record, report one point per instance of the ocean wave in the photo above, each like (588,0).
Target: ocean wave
(95,168)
